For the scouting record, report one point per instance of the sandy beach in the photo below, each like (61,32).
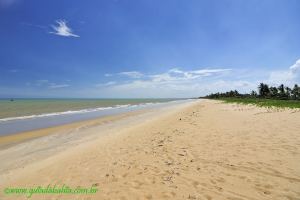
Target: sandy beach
(198,150)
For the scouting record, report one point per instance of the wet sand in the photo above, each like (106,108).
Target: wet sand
(200,150)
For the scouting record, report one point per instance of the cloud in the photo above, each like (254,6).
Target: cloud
(177,74)
(174,74)
(278,77)
(106,84)
(174,82)
(62,29)
(150,89)
(207,72)
(47,84)
(41,82)
(56,86)
(288,77)
(177,82)
(295,67)
(132,74)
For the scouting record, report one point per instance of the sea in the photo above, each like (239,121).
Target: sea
(19,115)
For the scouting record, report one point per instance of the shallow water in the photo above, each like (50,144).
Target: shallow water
(43,121)
(19,108)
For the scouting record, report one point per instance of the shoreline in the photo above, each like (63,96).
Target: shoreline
(7,141)
(48,120)
(201,150)
(16,148)
(42,107)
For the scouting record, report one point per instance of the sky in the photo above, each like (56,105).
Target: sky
(146,48)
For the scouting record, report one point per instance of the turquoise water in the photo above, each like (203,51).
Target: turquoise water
(30,107)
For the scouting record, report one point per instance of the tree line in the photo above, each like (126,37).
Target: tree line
(264,91)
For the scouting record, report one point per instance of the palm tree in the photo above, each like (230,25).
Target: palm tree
(288,92)
(281,91)
(273,92)
(263,90)
(296,92)
(253,93)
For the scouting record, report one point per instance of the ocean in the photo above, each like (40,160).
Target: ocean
(21,115)
(32,108)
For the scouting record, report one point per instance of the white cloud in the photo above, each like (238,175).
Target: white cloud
(242,86)
(172,83)
(278,77)
(164,77)
(56,86)
(287,77)
(174,74)
(295,67)
(197,73)
(148,88)
(208,72)
(132,74)
(41,82)
(106,84)
(62,29)
(47,84)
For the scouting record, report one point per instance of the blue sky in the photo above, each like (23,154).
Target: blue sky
(146,48)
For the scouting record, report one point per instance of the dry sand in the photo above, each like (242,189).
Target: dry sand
(204,150)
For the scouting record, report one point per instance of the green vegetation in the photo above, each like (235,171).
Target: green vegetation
(264,102)
(281,96)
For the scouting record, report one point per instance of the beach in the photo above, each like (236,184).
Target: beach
(202,149)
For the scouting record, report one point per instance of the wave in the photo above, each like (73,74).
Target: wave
(82,111)
(64,113)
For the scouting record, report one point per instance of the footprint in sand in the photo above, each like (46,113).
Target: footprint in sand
(208,197)
(221,180)
(169,194)
(136,184)
(148,196)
